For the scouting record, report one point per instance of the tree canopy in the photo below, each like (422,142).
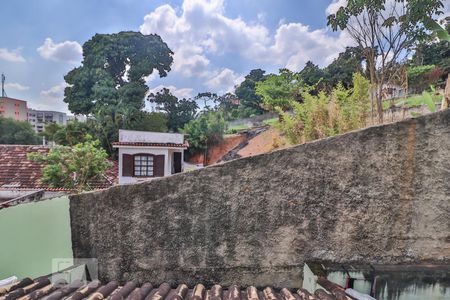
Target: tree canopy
(246,92)
(113,72)
(178,111)
(343,67)
(110,85)
(279,90)
(17,132)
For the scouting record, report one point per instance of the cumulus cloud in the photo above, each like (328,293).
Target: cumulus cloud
(190,62)
(16,86)
(225,80)
(12,56)
(334,6)
(199,29)
(179,93)
(67,51)
(296,43)
(55,92)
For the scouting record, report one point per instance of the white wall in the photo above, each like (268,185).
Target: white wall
(168,159)
(150,137)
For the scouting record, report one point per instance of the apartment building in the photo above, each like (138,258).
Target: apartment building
(38,118)
(13,108)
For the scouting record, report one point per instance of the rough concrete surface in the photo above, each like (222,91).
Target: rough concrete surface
(379,195)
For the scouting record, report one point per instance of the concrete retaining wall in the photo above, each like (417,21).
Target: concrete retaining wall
(380,195)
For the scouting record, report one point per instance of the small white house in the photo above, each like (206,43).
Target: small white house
(144,155)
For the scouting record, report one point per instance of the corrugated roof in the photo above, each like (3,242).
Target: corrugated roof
(17,172)
(42,288)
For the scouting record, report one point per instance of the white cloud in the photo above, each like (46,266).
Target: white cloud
(16,86)
(225,80)
(296,43)
(200,29)
(189,62)
(55,92)
(335,5)
(52,99)
(179,93)
(67,51)
(12,56)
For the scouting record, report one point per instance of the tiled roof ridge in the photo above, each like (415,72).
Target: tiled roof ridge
(17,172)
(23,145)
(43,288)
(150,144)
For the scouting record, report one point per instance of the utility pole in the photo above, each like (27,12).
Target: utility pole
(3,86)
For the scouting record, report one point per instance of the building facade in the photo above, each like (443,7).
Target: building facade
(13,108)
(38,118)
(144,155)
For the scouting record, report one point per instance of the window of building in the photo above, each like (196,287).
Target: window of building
(143,165)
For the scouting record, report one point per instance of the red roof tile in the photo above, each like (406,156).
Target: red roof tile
(145,144)
(18,172)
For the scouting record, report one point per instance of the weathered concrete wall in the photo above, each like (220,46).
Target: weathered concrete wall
(380,195)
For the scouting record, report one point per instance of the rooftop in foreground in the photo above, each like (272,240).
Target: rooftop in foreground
(17,172)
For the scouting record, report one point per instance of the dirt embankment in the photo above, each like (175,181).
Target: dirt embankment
(251,142)
(217,151)
(267,141)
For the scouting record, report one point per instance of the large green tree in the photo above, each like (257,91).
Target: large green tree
(278,90)
(178,111)
(246,93)
(17,132)
(343,67)
(311,74)
(150,121)
(110,84)
(387,31)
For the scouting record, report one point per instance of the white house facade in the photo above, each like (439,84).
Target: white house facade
(144,155)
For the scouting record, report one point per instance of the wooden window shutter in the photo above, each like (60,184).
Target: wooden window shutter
(127,165)
(158,166)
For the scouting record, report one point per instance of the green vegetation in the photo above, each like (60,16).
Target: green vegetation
(412,101)
(236,128)
(17,132)
(278,91)
(421,77)
(271,122)
(386,30)
(110,85)
(207,129)
(250,102)
(73,167)
(178,111)
(324,115)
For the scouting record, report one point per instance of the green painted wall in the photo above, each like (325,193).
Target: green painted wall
(33,234)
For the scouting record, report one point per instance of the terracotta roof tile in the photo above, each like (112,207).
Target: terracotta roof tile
(18,172)
(145,144)
(40,288)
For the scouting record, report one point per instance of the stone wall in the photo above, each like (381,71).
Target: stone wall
(380,195)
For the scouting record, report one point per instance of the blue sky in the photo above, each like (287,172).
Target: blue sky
(216,42)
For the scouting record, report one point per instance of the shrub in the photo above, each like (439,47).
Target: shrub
(73,167)
(326,115)
(206,129)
